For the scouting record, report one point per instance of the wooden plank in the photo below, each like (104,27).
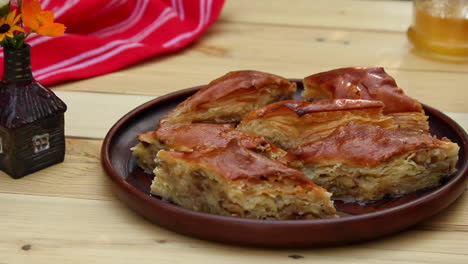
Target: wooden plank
(361,15)
(453,218)
(91,115)
(441,90)
(79,176)
(64,230)
(290,52)
(460,118)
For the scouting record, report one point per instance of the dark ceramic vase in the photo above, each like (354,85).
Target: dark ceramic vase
(31,118)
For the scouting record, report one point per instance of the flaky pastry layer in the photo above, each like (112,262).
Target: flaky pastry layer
(368,84)
(229,98)
(189,137)
(233,181)
(290,124)
(362,162)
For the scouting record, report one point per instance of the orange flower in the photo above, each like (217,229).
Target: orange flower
(8,25)
(40,21)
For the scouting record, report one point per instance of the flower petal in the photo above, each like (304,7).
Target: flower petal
(30,21)
(31,10)
(11,17)
(51,30)
(40,21)
(17,28)
(46,17)
(16,19)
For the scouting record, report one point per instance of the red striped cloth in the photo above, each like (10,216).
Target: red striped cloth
(106,35)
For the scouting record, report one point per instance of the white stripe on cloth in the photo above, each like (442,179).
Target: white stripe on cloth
(44,4)
(47,72)
(181,10)
(208,11)
(68,4)
(96,60)
(111,5)
(124,25)
(174,5)
(189,34)
(155,25)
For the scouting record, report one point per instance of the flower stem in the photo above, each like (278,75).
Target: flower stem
(20,41)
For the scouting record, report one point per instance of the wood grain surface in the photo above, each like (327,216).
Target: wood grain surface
(68,214)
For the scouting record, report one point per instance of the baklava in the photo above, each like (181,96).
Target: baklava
(358,137)
(290,124)
(227,99)
(368,84)
(188,137)
(366,162)
(234,181)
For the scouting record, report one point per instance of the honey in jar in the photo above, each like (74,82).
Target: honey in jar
(440,28)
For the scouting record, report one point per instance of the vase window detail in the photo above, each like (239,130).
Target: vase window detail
(41,142)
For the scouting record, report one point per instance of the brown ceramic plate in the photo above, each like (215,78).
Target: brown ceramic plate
(358,222)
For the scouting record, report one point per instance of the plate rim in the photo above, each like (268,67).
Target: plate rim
(460,179)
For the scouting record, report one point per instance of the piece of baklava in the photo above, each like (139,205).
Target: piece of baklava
(234,181)
(368,84)
(365,162)
(187,137)
(230,97)
(290,124)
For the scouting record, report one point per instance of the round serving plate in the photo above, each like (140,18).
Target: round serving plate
(357,222)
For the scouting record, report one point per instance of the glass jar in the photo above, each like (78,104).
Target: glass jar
(440,28)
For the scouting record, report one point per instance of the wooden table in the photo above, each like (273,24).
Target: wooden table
(68,214)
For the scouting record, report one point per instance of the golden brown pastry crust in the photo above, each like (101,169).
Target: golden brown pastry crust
(186,137)
(301,108)
(228,98)
(189,137)
(234,181)
(363,145)
(360,83)
(233,162)
(364,162)
(290,124)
